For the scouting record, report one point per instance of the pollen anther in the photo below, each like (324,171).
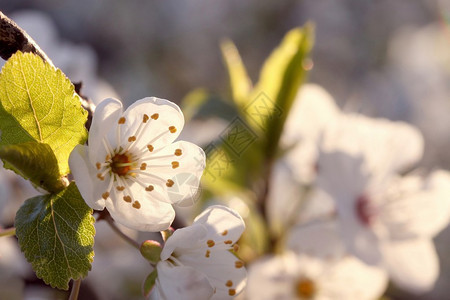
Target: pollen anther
(150,148)
(122,120)
(175,164)
(131,139)
(105,195)
(149,188)
(228,242)
(229,283)
(136,204)
(120,188)
(225,232)
(178,152)
(98,166)
(231,292)
(172,129)
(145,118)
(170,183)
(155,116)
(143,166)
(210,243)
(127,199)
(207,253)
(238,264)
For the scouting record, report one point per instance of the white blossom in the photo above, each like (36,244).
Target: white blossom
(197,262)
(133,167)
(303,277)
(385,219)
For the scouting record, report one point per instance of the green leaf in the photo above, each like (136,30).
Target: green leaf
(280,78)
(56,233)
(149,283)
(35,162)
(240,83)
(38,103)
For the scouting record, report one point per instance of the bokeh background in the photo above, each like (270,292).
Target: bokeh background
(381,58)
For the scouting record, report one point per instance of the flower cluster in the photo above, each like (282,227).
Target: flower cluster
(133,166)
(347,202)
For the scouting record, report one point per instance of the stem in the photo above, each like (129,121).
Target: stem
(120,233)
(8,232)
(75,289)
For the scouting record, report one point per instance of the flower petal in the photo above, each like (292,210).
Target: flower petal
(181,282)
(181,163)
(90,187)
(165,122)
(223,224)
(184,238)
(320,239)
(272,278)
(360,240)
(104,123)
(349,278)
(418,207)
(223,269)
(142,214)
(412,264)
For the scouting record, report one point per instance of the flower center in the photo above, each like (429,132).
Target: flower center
(120,164)
(364,210)
(306,289)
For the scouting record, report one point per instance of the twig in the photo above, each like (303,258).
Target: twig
(75,289)
(120,233)
(8,232)
(13,39)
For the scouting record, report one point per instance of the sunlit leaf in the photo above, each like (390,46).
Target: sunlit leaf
(280,78)
(240,83)
(38,103)
(56,233)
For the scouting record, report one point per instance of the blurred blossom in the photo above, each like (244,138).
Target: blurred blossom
(303,277)
(384,219)
(196,262)
(78,62)
(312,111)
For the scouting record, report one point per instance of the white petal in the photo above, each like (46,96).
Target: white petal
(184,170)
(104,124)
(182,282)
(311,111)
(219,266)
(272,278)
(152,215)
(223,224)
(193,236)
(386,146)
(418,207)
(169,114)
(90,187)
(343,176)
(349,278)
(412,264)
(360,240)
(284,199)
(321,239)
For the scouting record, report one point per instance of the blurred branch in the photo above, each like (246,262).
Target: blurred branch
(8,232)
(13,39)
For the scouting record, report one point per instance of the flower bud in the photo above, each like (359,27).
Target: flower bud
(151,251)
